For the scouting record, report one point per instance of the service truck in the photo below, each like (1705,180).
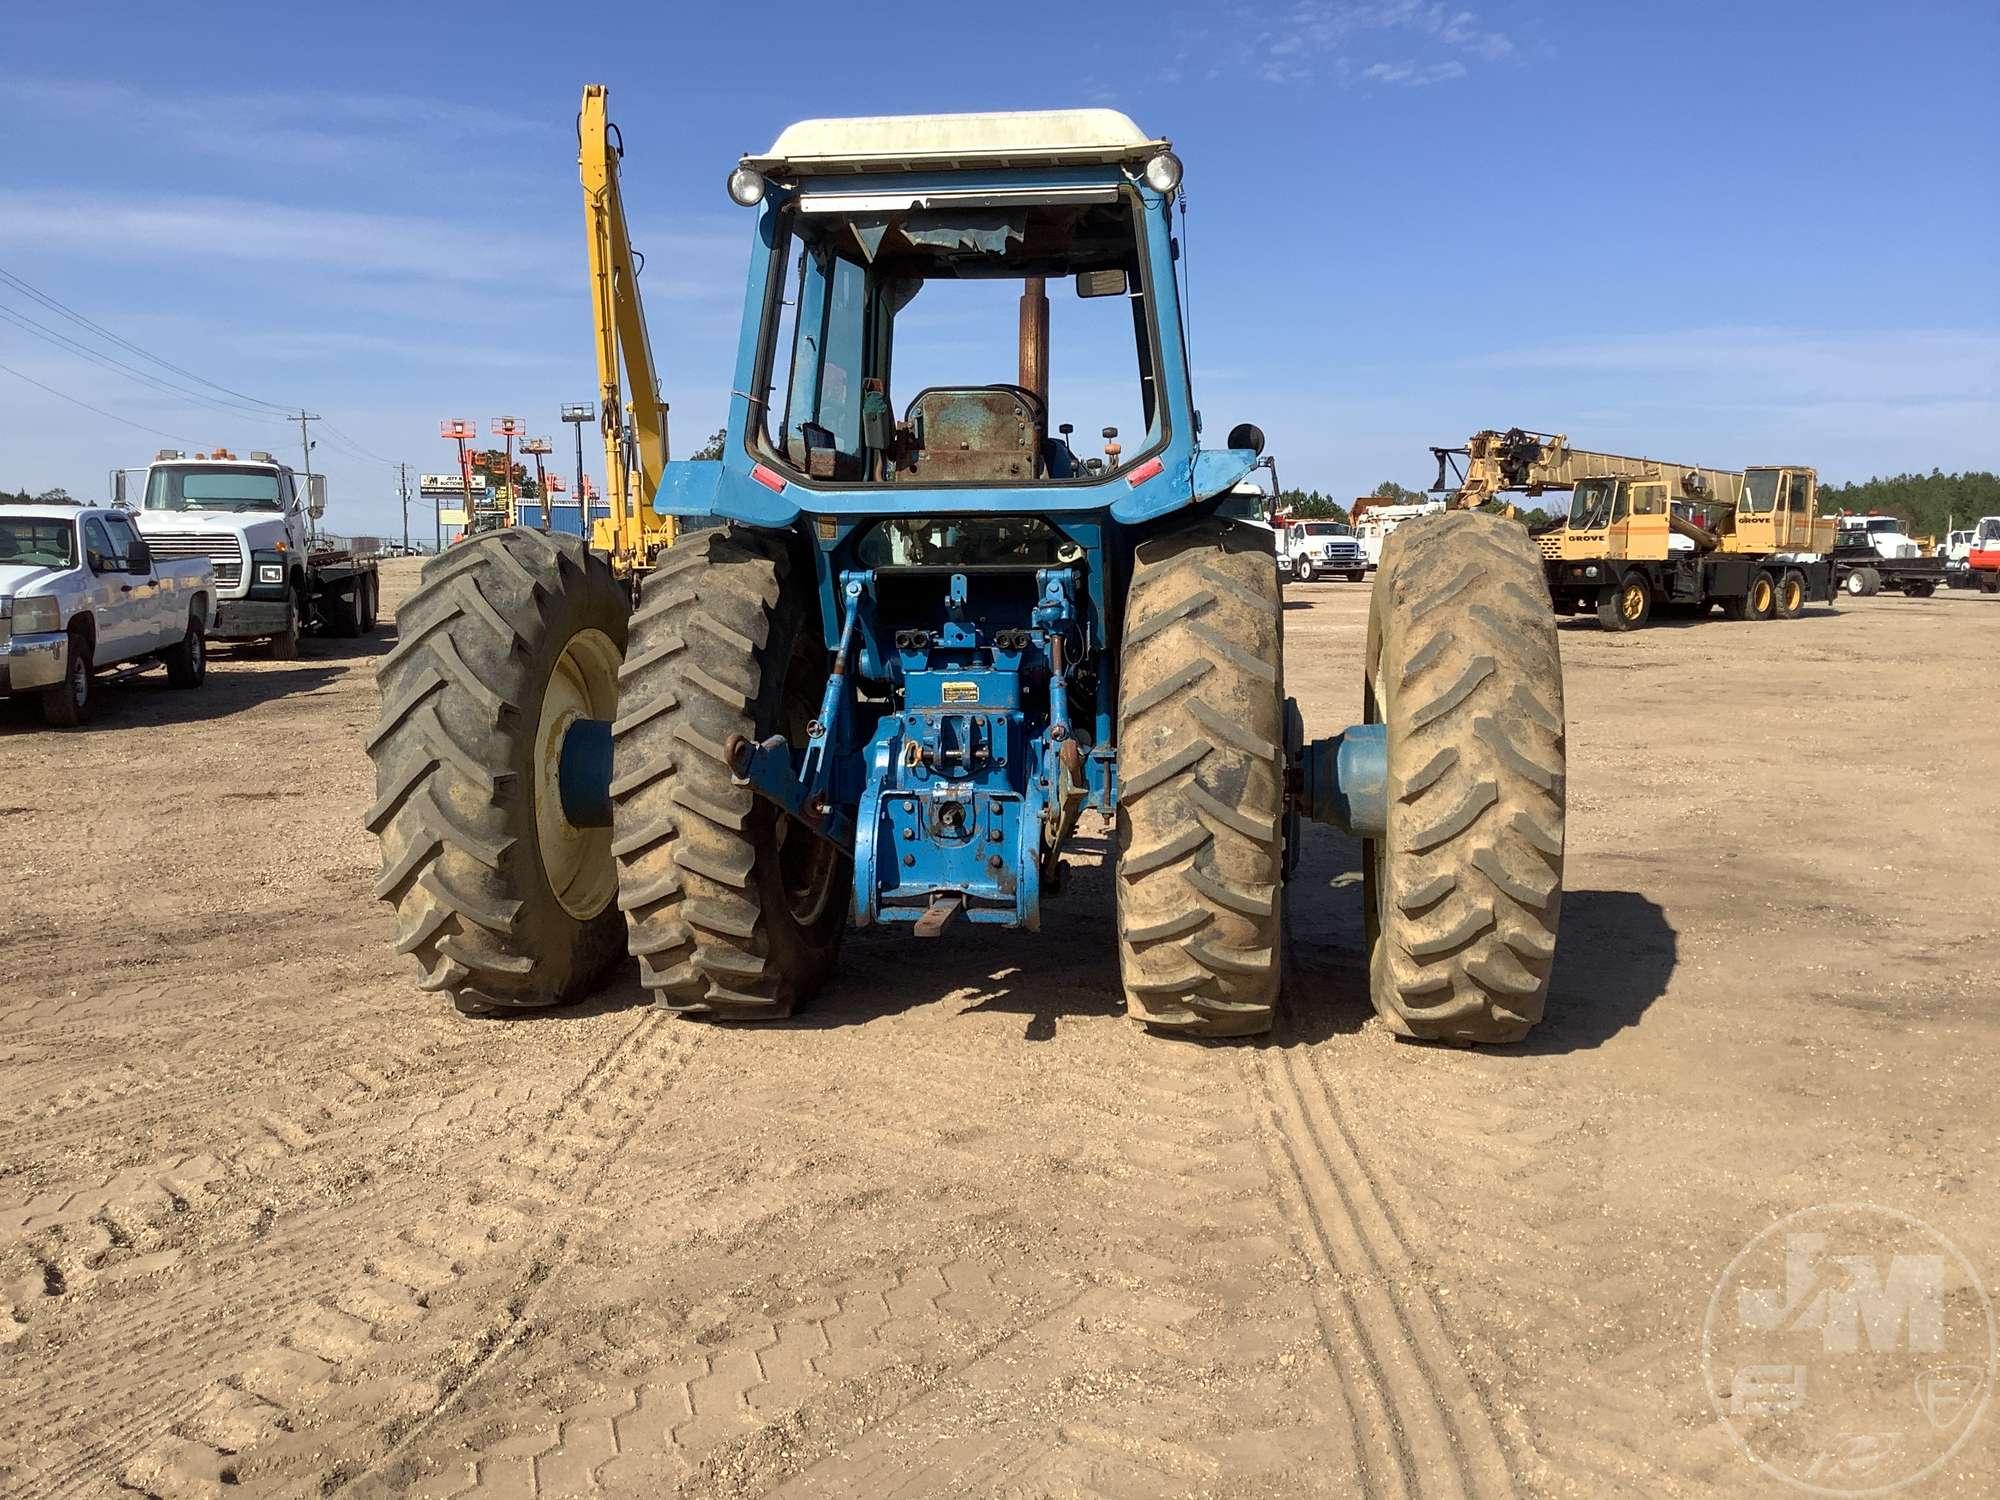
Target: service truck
(1983,556)
(1873,553)
(1317,549)
(275,576)
(1374,524)
(81,595)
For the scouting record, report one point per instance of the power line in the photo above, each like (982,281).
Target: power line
(342,440)
(73,401)
(57,306)
(65,342)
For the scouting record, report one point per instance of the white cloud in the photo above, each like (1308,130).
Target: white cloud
(299,129)
(1414,75)
(1312,39)
(1787,367)
(123,228)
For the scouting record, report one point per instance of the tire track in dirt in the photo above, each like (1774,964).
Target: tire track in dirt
(1612,1426)
(385,1345)
(1159,1161)
(61,1240)
(1419,1422)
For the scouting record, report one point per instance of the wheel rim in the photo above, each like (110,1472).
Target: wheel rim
(807,863)
(1633,602)
(79,681)
(1760,595)
(197,650)
(1793,595)
(576,861)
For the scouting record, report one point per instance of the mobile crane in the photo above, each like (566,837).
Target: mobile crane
(920,647)
(1642,531)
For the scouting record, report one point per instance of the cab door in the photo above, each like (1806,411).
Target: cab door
(1645,528)
(1618,536)
(1795,520)
(114,612)
(147,603)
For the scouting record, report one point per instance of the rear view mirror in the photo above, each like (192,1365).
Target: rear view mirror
(316,495)
(118,489)
(1100,283)
(138,558)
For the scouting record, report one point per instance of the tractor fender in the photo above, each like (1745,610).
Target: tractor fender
(708,487)
(1214,472)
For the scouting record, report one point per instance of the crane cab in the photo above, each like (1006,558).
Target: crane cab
(1618,518)
(1777,513)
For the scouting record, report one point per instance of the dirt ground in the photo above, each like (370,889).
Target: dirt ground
(271,1219)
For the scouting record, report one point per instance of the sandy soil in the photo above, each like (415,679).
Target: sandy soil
(270,1218)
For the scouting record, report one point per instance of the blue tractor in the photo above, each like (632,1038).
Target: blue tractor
(911,633)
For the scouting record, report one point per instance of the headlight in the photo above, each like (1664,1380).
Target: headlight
(270,572)
(1163,172)
(1590,572)
(746,187)
(36,616)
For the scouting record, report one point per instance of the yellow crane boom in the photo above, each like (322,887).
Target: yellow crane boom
(632,465)
(1492,462)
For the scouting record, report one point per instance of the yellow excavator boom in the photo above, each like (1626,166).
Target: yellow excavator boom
(632,468)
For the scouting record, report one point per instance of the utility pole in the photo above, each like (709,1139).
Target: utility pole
(305,442)
(403,487)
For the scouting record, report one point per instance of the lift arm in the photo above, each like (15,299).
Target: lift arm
(631,469)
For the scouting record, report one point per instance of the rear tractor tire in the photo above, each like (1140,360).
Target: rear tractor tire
(734,909)
(1201,801)
(503,902)
(1463,891)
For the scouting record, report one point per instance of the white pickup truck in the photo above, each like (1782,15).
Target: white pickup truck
(81,594)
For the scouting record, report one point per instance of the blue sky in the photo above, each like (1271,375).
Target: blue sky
(1724,234)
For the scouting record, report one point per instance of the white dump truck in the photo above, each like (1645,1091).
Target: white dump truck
(253,520)
(82,597)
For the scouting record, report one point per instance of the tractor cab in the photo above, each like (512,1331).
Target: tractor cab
(961,314)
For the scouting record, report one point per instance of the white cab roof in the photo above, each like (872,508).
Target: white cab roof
(49,512)
(874,143)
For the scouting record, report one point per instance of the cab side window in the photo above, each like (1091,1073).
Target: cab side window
(1796,494)
(123,540)
(97,547)
(286,497)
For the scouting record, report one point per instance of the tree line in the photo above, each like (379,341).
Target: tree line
(1311,505)
(1927,504)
